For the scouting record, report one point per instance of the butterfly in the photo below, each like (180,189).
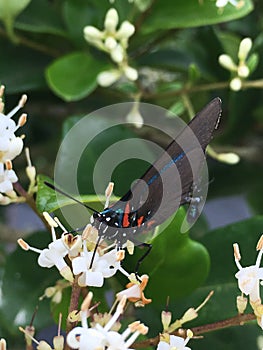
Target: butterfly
(165,186)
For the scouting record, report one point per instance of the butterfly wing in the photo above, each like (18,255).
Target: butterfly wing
(167,183)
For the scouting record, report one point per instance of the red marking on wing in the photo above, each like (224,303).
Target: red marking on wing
(125,221)
(140,220)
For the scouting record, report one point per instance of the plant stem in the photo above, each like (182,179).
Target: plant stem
(230,322)
(257,84)
(74,302)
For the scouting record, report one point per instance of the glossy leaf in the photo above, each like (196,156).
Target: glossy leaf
(177,265)
(167,14)
(18,75)
(11,8)
(74,76)
(41,16)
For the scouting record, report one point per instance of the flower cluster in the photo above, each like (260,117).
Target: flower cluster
(115,43)
(91,267)
(246,64)
(249,283)
(103,334)
(10,147)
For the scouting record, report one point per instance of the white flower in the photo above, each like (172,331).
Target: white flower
(175,343)
(104,266)
(57,250)
(115,43)
(100,338)
(85,339)
(10,145)
(249,277)
(7,178)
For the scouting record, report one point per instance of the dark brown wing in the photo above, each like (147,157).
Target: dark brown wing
(167,183)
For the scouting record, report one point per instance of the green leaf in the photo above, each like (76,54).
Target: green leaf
(41,16)
(104,137)
(46,199)
(177,265)
(77,15)
(11,8)
(166,14)
(18,75)
(74,76)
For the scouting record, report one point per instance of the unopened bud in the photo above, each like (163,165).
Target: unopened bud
(227,62)
(241,304)
(109,77)
(117,54)
(110,43)
(244,48)
(111,20)
(166,317)
(92,33)
(58,342)
(189,315)
(235,84)
(229,158)
(243,71)
(131,73)
(126,30)
(31,173)
(67,274)
(43,345)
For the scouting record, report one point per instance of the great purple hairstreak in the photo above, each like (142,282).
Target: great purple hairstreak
(166,185)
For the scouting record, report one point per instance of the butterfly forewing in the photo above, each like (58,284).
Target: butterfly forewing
(167,183)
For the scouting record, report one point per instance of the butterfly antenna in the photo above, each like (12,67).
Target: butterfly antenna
(94,252)
(55,188)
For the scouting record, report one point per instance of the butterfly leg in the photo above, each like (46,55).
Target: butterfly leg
(138,264)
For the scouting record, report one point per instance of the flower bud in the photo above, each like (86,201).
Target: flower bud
(126,30)
(227,62)
(111,20)
(243,71)
(229,158)
(58,342)
(131,73)
(117,54)
(92,33)
(110,43)
(109,77)
(166,317)
(235,84)
(241,304)
(244,48)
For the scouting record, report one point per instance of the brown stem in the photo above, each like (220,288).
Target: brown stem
(74,302)
(33,45)
(230,322)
